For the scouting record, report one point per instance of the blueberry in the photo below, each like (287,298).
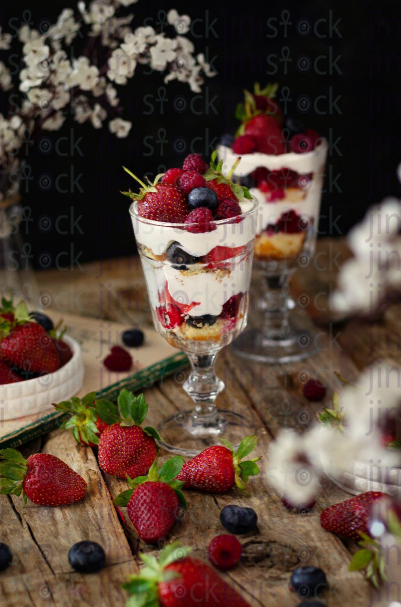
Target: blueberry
(87,557)
(200,321)
(294,125)
(133,338)
(180,258)
(42,320)
(237,519)
(227,139)
(202,197)
(308,581)
(6,556)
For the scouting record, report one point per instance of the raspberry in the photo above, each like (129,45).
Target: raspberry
(300,144)
(314,136)
(191,180)
(170,316)
(231,307)
(201,220)
(118,359)
(289,223)
(227,209)
(224,551)
(194,162)
(172,176)
(314,391)
(222,190)
(299,508)
(245,144)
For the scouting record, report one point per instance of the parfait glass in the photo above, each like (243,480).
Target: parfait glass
(198,279)
(288,188)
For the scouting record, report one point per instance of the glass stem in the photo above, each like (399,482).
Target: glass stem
(203,386)
(276,308)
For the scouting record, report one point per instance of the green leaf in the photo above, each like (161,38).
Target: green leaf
(177,484)
(249,469)
(6,485)
(171,468)
(11,455)
(240,112)
(90,434)
(21,312)
(65,405)
(139,409)
(76,434)
(214,156)
(139,585)
(68,424)
(125,401)
(123,498)
(107,411)
(181,499)
(88,399)
(360,560)
(12,471)
(246,446)
(150,561)
(173,552)
(152,432)
(246,193)
(134,483)
(153,474)
(227,444)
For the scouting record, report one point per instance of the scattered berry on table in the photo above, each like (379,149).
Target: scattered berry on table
(238,519)
(350,517)
(202,197)
(308,581)
(172,176)
(224,552)
(87,557)
(42,320)
(200,220)
(227,209)
(301,143)
(7,374)
(118,360)
(133,338)
(244,144)
(314,391)
(299,508)
(170,316)
(191,180)
(85,424)
(195,162)
(6,556)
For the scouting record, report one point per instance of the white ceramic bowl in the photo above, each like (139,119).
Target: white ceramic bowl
(36,395)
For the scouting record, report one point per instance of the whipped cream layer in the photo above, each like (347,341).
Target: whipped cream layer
(157,236)
(270,212)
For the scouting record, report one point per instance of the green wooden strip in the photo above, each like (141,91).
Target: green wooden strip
(146,378)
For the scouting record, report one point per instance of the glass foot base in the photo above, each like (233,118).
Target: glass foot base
(184,434)
(254,345)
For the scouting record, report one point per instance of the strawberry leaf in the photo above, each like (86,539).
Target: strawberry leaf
(152,432)
(246,446)
(360,560)
(248,469)
(12,455)
(240,112)
(181,499)
(125,405)
(171,469)
(227,444)
(88,399)
(6,486)
(153,474)
(123,498)
(173,552)
(12,471)
(139,409)
(107,411)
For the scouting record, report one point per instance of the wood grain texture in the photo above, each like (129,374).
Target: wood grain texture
(270,395)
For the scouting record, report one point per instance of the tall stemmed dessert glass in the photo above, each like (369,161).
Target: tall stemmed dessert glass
(195,233)
(283,166)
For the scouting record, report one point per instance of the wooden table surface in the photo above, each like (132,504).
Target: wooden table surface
(41,537)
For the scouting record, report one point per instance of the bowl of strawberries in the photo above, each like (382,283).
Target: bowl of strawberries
(37,365)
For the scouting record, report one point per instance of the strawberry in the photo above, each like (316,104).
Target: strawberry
(7,309)
(154,501)
(170,316)
(7,375)
(25,344)
(267,134)
(125,449)
(244,144)
(260,102)
(179,580)
(44,478)
(222,190)
(221,184)
(218,468)
(64,351)
(222,253)
(350,518)
(159,201)
(86,426)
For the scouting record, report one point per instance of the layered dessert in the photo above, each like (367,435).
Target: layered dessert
(283,166)
(195,232)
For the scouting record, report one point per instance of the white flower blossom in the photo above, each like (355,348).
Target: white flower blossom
(146,33)
(5,78)
(83,74)
(35,50)
(82,109)
(207,70)
(127,2)
(40,97)
(181,23)
(162,53)
(121,66)
(25,34)
(120,127)
(134,45)
(54,122)
(61,97)
(65,28)
(5,41)
(100,87)
(97,116)
(111,95)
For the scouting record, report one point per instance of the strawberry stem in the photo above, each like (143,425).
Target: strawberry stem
(134,176)
(231,172)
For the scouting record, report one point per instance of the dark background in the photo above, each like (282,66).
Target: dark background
(364,123)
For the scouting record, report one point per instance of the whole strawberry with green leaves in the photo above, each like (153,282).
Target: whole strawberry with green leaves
(222,184)
(25,344)
(218,468)
(179,580)
(85,424)
(43,478)
(126,449)
(155,502)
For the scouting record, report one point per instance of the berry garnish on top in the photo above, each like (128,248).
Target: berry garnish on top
(227,209)
(203,197)
(172,176)
(200,220)
(191,180)
(195,162)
